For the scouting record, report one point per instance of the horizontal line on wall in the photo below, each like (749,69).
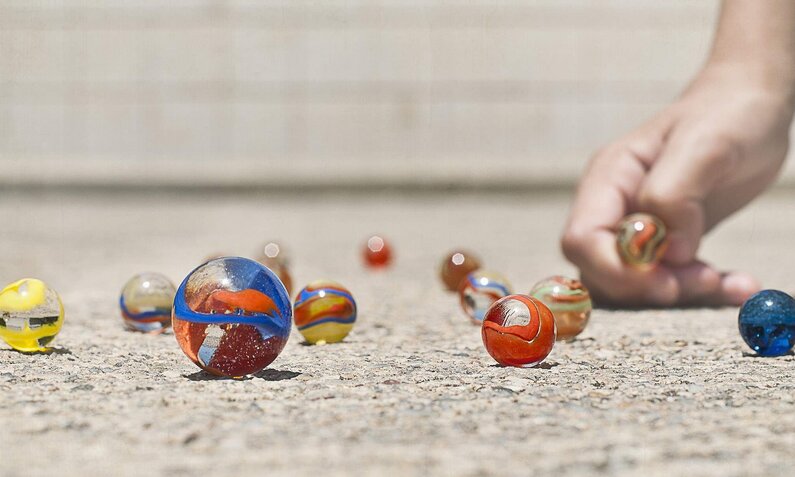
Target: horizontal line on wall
(284,177)
(97,93)
(324,17)
(433,187)
(287,172)
(295,176)
(294,189)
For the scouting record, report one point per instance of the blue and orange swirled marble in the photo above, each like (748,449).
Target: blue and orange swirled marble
(641,240)
(232,316)
(518,330)
(479,290)
(325,312)
(146,301)
(31,314)
(767,323)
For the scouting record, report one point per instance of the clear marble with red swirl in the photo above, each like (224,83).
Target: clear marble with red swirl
(519,330)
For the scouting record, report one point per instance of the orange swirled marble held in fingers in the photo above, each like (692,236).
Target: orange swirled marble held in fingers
(519,330)
(641,240)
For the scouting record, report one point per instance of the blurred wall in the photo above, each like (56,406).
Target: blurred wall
(322,91)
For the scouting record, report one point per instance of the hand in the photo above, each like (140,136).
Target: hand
(696,163)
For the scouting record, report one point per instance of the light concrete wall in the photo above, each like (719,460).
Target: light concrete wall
(401,90)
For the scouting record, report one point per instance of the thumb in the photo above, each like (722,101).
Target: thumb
(689,167)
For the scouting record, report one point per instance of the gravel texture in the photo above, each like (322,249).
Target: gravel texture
(411,391)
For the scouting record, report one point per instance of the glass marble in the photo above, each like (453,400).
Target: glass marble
(456,266)
(325,312)
(31,314)
(146,301)
(479,290)
(274,257)
(569,301)
(232,316)
(767,323)
(641,240)
(377,252)
(518,330)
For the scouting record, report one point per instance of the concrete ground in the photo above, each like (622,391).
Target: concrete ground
(411,391)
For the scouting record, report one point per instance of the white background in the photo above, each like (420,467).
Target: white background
(220,92)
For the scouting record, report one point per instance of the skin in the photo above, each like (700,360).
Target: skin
(701,159)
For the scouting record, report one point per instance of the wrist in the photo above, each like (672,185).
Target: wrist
(769,79)
(755,46)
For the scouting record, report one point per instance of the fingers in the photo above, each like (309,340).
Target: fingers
(603,197)
(688,169)
(697,284)
(736,287)
(613,177)
(700,284)
(613,283)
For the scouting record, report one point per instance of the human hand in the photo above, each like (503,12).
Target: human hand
(703,158)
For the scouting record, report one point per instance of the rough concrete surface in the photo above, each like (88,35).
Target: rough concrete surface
(411,391)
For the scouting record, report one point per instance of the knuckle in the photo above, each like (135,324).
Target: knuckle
(573,242)
(658,196)
(609,152)
(717,152)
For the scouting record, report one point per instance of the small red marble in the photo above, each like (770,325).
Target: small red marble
(377,252)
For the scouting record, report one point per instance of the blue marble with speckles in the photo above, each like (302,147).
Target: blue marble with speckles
(767,323)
